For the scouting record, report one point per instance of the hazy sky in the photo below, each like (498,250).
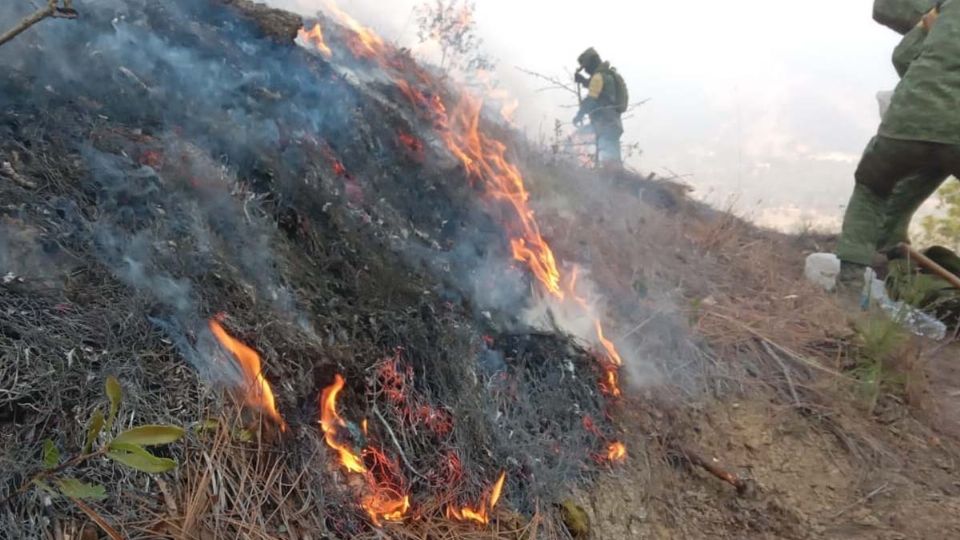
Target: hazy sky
(768,104)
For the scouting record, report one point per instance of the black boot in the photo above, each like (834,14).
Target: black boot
(850,281)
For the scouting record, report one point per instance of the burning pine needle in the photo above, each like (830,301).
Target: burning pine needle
(481,513)
(256,390)
(314,37)
(382,501)
(332,424)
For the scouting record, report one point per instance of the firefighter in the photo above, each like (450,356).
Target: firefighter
(917,145)
(606,101)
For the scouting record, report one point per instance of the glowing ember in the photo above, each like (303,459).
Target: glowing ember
(411,142)
(387,509)
(332,424)
(314,37)
(481,513)
(617,452)
(257,392)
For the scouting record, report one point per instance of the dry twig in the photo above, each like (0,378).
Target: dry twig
(52,9)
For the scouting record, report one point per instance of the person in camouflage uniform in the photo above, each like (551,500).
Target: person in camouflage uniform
(918,144)
(601,105)
(910,194)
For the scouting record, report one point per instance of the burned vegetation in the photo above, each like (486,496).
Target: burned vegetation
(317,263)
(315,267)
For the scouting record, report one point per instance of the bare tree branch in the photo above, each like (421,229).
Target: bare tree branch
(556,84)
(52,9)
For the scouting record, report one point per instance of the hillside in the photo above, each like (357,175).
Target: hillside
(378,311)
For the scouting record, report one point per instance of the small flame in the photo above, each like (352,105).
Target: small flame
(383,506)
(314,37)
(332,423)
(383,501)
(617,452)
(257,391)
(612,370)
(481,513)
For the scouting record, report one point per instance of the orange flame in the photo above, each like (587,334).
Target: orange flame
(257,391)
(486,162)
(314,37)
(617,452)
(386,506)
(332,423)
(481,513)
(383,502)
(366,43)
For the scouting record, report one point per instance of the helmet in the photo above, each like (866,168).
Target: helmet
(589,60)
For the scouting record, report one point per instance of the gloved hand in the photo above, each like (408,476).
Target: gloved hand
(580,79)
(578,119)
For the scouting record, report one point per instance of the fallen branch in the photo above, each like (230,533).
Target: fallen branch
(743,486)
(396,443)
(52,9)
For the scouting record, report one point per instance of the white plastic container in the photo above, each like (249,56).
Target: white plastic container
(823,269)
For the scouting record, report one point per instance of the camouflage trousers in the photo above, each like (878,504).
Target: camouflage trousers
(608,145)
(893,180)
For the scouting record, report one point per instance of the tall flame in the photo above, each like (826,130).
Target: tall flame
(314,37)
(331,423)
(481,513)
(256,392)
(486,162)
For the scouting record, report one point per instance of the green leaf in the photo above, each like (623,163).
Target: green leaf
(51,455)
(136,457)
(150,435)
(93,431)
(71,487)
(243,435)
(210,424)
(115,394)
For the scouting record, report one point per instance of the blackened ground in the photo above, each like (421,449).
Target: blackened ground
(187,164)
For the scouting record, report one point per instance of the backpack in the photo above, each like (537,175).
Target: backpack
(620,97)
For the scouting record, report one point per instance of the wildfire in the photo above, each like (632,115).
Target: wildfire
(616,452)
(383,500)
(314,37)
(257,392)
(481,513)
(485,160)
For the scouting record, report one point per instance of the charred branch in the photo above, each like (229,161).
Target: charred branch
(744,486)
(52,9)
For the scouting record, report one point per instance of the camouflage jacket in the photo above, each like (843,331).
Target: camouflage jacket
(909,50)
(900,15)
(926,103)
